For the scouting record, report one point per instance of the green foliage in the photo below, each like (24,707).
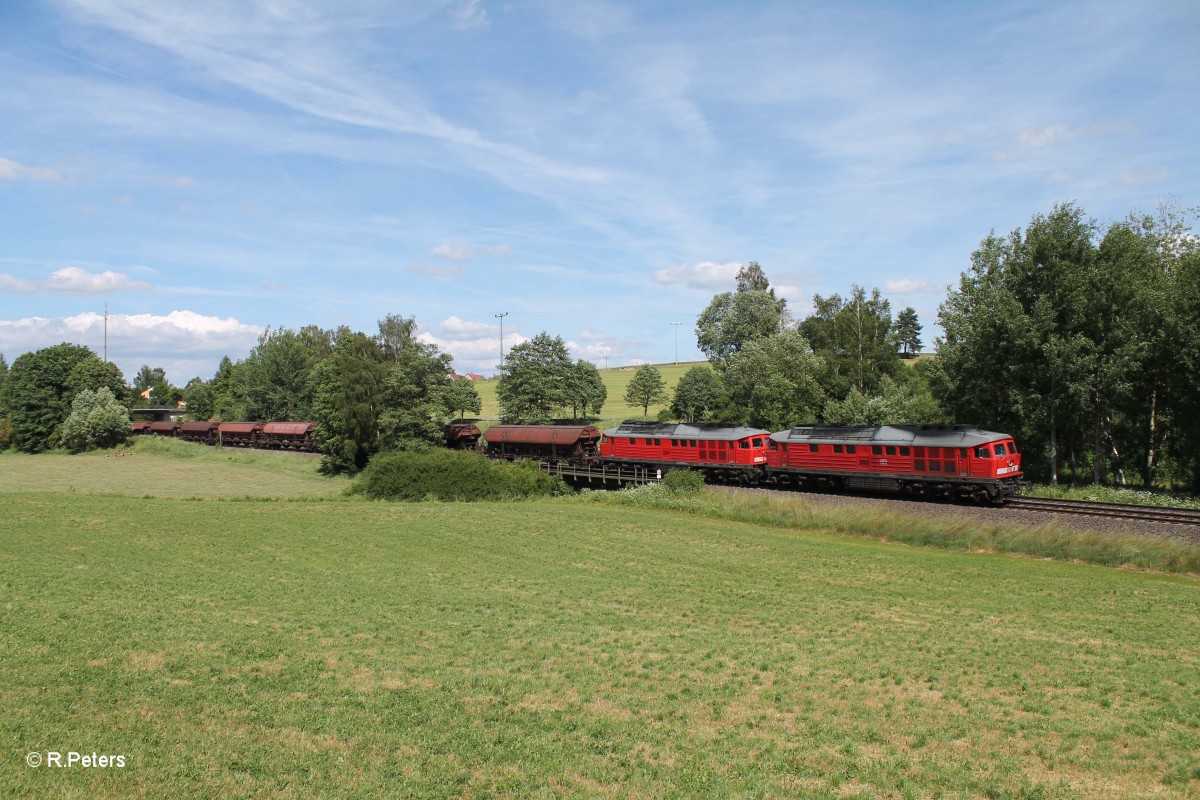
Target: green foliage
(535,379)
(698,392)
(40,393)
(416,387)
(586,390)
(462,397)
(347,403)
(96,421)
(1083,349)
(276,378)
(5,417)
(734,319)
(148,377)
(95,373)
(908,331)
(899,402)
(854,338)
(647,387)
(683,481)
(453,475)
(773,382)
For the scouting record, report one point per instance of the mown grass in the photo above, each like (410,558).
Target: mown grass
(157,467)
(616,380)
(1048,541)
(1113,494)
(348,648)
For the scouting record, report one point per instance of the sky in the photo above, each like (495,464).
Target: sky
(598,170)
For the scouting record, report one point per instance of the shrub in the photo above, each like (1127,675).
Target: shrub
(453,475)
(96,420)
(683,481)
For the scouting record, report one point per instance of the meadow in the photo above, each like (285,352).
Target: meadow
(616,381)
(318,645)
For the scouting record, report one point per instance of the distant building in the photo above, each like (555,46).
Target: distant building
(476,376)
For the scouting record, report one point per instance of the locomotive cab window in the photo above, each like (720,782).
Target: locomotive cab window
(1000,450)
(744,444)
(758,442)
(1012,448)
(982,452)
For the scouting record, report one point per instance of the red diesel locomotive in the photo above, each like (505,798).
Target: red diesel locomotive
(725,453)
(936,461)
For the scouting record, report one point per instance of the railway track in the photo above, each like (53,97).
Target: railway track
(1174,516)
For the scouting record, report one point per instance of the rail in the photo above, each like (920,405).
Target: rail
(1173,516)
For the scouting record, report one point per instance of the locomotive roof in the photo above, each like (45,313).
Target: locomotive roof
(709,431)
(919,435)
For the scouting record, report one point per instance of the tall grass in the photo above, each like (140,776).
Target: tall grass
(1047,541)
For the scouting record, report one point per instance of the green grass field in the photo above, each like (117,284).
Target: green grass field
(321,646)
(616,380)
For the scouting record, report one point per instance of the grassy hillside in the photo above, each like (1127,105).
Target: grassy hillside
(616,380)
(347,648)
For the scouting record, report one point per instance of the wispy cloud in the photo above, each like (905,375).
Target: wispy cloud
(471,14)
(15,285)
(702,275)
(12,171)
(74,279)
(462,252)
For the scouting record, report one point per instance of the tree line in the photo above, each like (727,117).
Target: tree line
(1081,340)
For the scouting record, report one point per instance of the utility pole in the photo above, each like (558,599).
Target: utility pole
(676,324)
(501,317)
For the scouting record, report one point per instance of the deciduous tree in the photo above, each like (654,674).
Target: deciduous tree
(40,393)
(96,421)
(736,318)
(698,392)
(647,387)
(774,382)
(535,379)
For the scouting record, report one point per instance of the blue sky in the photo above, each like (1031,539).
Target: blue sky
(595,169)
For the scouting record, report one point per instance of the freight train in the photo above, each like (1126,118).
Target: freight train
(939,462)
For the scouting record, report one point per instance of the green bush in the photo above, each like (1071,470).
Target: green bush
(97,420)
(683,481)
(452,475)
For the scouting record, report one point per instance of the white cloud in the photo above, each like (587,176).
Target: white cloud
(74,279)
(14,285)
(12,171)
(184,342)
(475,346)
(456,327)
(704,275)
(462,252)
(905,285)
(1133,178)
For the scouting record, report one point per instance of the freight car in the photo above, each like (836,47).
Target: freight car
(543,442)
(461,436)
(287,436)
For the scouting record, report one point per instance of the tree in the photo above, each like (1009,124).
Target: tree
(462,397)
(645,388)
(773,383)
(5,418)
(587,389)
(149,377)
(698,392)
(1015,356)
(348,402)
(908,331)
(96,420)
(200,399)
(897,403)
(535,379)
(276,377)
(735,318)
(416,386)
(40,393)
(853,336)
